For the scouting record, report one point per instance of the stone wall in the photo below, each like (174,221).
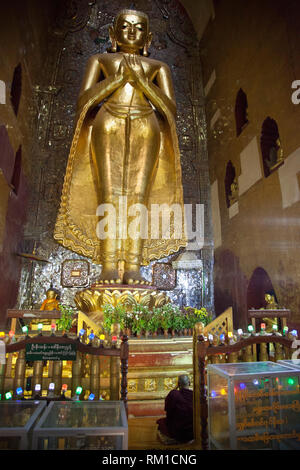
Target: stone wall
(253,46)
(23,52)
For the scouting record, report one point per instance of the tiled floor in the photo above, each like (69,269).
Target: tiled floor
(143,435)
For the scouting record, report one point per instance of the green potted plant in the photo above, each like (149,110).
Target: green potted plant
(154,321)
(166,318)
(64,323)
(114,317)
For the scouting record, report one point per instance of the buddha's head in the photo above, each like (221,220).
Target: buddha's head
(130,32)
(51,294)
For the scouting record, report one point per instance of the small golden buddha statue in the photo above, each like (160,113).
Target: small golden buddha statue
(124,147)
(51,302)
(275,156)
(270,302)
(234,192)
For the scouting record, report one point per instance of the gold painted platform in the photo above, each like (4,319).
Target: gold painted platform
(153,368)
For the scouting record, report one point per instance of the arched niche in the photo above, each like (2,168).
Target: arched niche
(259,285)
(270,146)
(16,88)
(15,180)
(241,111)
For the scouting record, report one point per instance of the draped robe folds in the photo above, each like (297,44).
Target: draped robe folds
(77,221)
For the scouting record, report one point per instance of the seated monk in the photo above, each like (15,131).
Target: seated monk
(178,424)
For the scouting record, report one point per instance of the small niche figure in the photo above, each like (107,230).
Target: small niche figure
(275,156)
(51,302)
(234,192)
(177,426)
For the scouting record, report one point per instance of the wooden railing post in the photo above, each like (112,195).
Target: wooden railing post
(124,355)
(76,373)
(20,370)
(114,378)
(95,375)
(200,347)
(2,378)
(57,376)
(37,374)
(202,351)
(263,353)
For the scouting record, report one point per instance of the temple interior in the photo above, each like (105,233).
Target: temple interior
(127,318)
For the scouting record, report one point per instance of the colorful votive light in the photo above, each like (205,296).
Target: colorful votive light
(223,391)
(250,328)
(2,334)
(53,326)
(37,388)
(285,330)
(91,396)
(78,390)
(240,332)
(114,339)
(81,332)
(25,329)
(40,326)
(255,382)
(8,396)
(242,386)
(19,391)
(52,386)
(11,334)
(210,338)
(102,337)
(222,337)
(291,381)
(294,332)
(91,336)
(275,328)
(64,387)
(263,326)
(230,334)
(213,394)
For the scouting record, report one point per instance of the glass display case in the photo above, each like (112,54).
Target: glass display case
(293,363)
(17,419)
(80,425)
(253,405)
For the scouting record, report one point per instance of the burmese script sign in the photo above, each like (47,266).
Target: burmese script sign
(51,352)
(272,415)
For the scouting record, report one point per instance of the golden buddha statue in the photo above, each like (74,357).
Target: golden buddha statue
(234,191)
(51,302)
(124,147)
(270,302)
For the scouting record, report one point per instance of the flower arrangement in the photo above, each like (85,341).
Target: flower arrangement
(194,315)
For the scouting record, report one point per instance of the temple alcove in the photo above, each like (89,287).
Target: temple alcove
(73,39)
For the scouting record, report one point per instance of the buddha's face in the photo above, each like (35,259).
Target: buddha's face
(51,294)
(131,31)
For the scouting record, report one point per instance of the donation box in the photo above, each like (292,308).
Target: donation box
(253,405)
(82,425)
(17,419)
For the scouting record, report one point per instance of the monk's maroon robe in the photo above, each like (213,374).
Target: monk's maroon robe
(178,423)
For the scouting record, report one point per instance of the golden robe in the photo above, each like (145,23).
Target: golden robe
(77,220)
